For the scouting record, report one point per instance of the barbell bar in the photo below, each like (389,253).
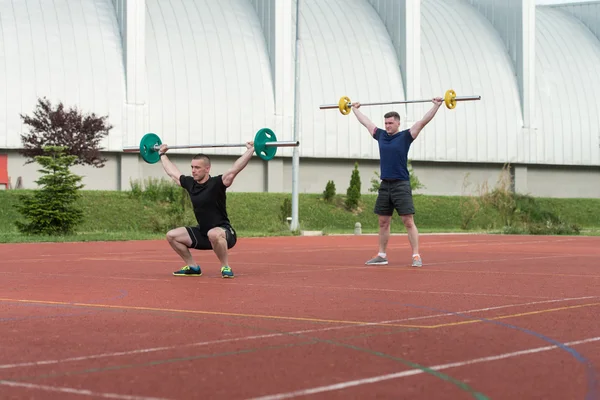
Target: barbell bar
(450,99)
(265,146)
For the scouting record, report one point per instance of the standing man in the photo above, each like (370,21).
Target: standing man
(208,197)
(395,191)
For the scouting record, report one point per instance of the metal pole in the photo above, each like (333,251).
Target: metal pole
(296,156)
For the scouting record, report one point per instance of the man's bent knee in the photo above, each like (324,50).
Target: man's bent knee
(216,234)
(172,235)
(179,235)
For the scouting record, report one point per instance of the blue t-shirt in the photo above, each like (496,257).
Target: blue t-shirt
(393,153)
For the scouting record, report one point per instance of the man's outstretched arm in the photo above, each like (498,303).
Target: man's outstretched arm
(238,165)
(168,166)
(419,125)
(362,118)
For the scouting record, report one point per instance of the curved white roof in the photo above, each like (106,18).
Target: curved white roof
(568,84)
(462,51)
(67,51)
(588,12)
(345,51)
(209,78)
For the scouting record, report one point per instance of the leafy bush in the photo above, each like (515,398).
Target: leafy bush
(80,135)
(520,214)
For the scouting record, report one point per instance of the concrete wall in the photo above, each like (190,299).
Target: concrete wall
(439,178)
(563,182)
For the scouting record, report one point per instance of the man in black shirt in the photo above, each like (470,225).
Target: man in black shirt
(207,193)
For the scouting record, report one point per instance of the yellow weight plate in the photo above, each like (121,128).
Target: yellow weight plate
(450,99)
(344,105)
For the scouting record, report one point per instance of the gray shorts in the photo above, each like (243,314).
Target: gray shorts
(394,195)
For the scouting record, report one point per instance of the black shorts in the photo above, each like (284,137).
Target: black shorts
(200,240)
(394,195)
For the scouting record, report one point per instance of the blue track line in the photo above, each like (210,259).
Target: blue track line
(592,379)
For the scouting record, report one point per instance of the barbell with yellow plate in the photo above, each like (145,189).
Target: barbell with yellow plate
(450,99)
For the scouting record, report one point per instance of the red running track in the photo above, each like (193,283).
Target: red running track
(487,317)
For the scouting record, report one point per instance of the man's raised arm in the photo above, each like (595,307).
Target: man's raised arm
(238,165)
(168,166)
(416,128)
(366,122)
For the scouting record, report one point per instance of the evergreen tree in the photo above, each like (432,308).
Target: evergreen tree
(51,209)
(353,191)
(329,192)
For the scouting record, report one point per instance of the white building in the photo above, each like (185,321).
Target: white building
(208,71)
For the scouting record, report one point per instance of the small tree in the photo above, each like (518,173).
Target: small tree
(79,134)
(353,191)
(329,192)
(51,209)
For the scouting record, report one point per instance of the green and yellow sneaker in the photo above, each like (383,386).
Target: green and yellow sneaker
(188,271)
(226,272)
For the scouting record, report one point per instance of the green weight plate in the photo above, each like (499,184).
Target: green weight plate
(147,151)
(262,137)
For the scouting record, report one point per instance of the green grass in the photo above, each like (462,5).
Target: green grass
(585,212)
(119,216)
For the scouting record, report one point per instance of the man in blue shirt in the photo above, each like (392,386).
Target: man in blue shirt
(395,191)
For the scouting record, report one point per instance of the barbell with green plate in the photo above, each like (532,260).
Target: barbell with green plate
(265,146)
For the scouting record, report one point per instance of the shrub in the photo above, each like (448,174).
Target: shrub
(353,191)
(179,207)
(329,192)
(80,135)
(470,205)
(518,214)
(51,210)
(502,197)
(375,183)
(538,221)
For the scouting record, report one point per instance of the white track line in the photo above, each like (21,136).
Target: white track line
(266,336)
(81,392)
(453,314)
(410,372)
(284,249)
